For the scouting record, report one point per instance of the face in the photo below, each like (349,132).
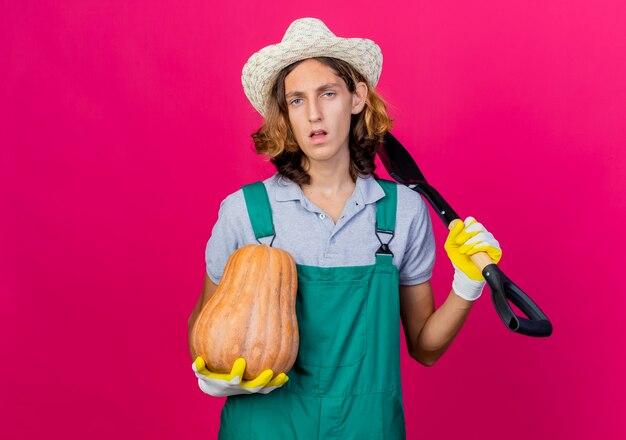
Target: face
(320,107)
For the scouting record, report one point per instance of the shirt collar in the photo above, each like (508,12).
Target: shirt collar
(367,190)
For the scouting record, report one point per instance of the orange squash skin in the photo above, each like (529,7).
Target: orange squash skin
(252,314)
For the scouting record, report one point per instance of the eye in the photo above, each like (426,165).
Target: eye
(293,101)
(330,93)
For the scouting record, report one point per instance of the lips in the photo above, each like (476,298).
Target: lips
(315,133)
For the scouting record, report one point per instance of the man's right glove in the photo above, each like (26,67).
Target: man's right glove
(219,385)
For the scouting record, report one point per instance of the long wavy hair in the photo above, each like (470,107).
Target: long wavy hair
(275,137)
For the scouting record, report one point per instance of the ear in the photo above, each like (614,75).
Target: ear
(359,97)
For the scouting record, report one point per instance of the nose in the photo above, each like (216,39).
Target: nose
(315,112)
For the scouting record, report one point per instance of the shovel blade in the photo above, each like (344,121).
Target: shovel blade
(398,162)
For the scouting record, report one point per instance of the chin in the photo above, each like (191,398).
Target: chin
(322,152)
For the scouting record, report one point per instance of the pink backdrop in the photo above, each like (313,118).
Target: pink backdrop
(124,124)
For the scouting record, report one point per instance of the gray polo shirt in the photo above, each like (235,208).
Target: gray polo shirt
(312,238)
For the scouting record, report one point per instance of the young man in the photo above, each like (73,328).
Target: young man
(323,121)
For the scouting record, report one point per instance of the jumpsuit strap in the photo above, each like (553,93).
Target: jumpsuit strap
(386,220)
(259,210)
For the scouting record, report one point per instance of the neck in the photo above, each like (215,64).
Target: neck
(330,177)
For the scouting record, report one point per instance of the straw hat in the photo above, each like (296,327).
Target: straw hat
(306,38)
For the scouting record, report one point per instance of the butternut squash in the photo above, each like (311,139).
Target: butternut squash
(251,314)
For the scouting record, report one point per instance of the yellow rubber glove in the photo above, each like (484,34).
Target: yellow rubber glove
(468,238)
(219,384)
(465,239)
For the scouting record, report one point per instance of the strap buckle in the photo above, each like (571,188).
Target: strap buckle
(384,245)
(271,242)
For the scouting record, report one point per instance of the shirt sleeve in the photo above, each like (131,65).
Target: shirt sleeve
(419,257)
(226,237)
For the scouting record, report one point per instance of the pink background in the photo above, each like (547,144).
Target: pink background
(124,124)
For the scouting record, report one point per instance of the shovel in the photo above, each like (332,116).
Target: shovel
(401,166)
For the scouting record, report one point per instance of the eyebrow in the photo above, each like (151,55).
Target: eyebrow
(319,89)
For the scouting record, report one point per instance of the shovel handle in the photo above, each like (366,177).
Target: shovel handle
(502,288)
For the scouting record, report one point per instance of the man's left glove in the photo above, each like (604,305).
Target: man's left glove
(465,239)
